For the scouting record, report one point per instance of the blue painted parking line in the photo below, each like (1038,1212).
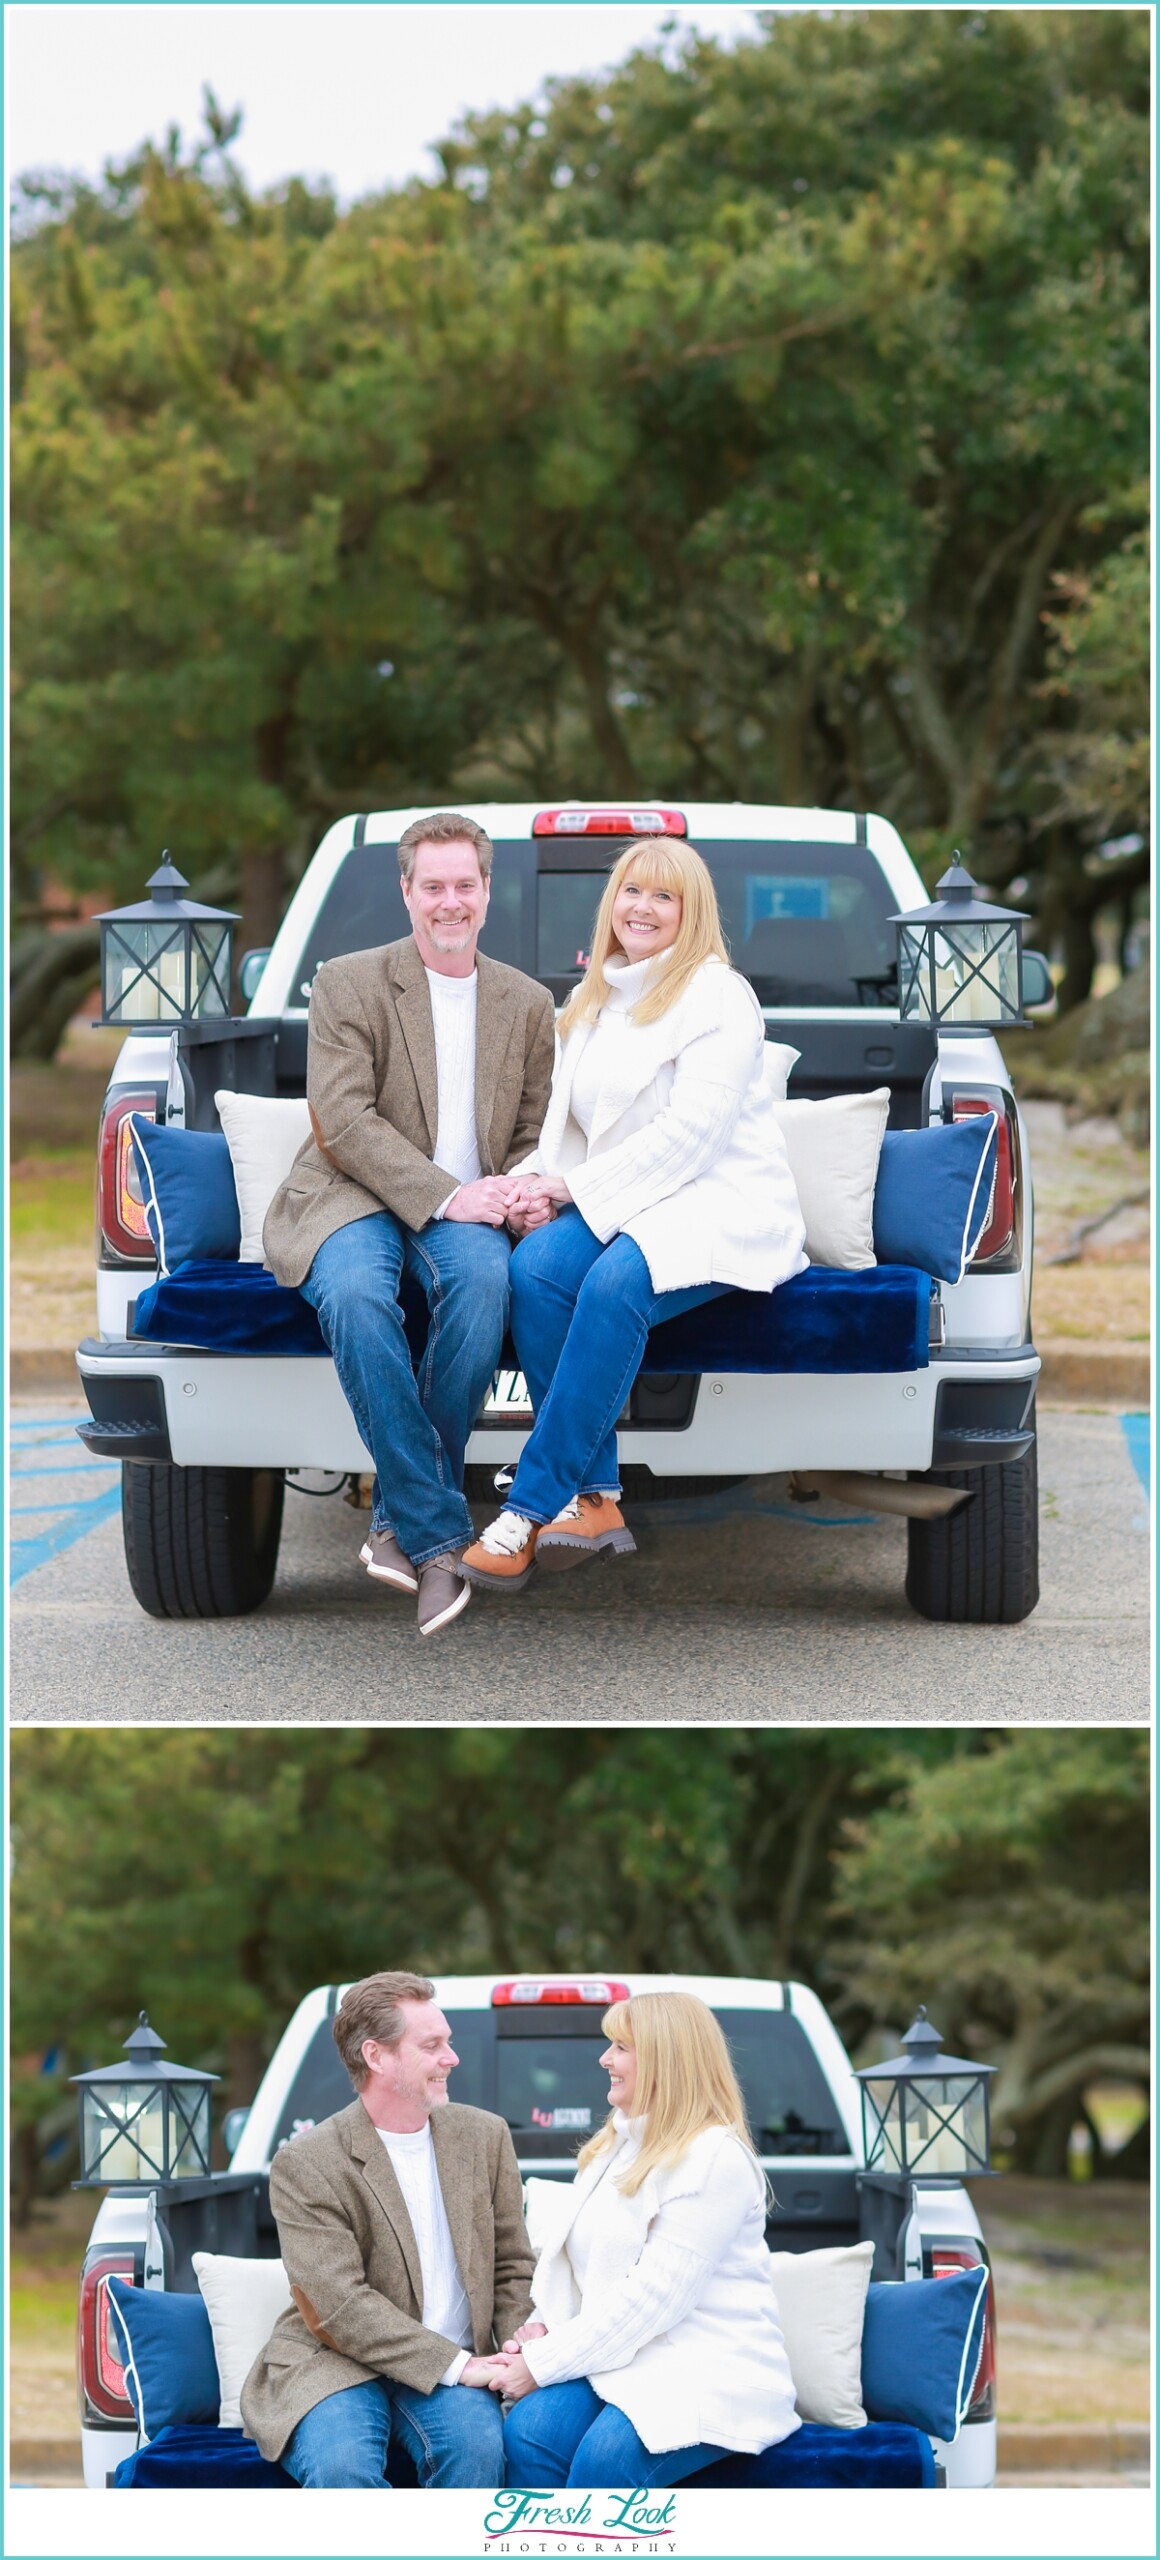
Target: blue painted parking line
(39,1446)
(1137,1430)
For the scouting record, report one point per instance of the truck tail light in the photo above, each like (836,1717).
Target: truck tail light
(948,2259)
(100,2372)
(120,1208)
(998,1235)
(540,1994)
(609,822)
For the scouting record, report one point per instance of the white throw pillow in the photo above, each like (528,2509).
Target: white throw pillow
(244,2297)
(263,1137)
(821,2303)
(779,1063)
(833,1149)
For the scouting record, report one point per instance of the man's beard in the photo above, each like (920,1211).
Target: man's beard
(421,2092)
(449,938)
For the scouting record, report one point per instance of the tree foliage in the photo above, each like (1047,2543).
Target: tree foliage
(1025,1917)
(215,1876)
(725,426)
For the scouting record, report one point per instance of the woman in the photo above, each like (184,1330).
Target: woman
(664,1164)
(656,2346)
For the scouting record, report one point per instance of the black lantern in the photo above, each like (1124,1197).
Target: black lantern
(144,2121)
(165,960)
(928,2115)
(960,961)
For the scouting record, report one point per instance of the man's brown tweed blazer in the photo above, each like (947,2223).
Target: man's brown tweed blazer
(372,1083)
(353,2266)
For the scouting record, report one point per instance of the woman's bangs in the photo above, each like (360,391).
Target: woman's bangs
(655,868)
(616,2022)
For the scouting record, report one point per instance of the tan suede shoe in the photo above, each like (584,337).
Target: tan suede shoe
(591,1525)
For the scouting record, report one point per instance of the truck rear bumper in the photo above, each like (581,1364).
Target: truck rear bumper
(198,1409)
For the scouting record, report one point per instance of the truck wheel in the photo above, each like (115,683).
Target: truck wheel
(201,1542)
(979,1566)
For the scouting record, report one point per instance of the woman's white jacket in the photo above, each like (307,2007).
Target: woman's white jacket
(678,2325)
(684,1153)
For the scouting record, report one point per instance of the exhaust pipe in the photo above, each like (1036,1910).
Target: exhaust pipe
(878,1493)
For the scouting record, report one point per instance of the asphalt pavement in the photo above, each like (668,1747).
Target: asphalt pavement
(737,1608)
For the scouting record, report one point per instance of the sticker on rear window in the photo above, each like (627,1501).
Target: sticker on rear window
(772,898)
(562,2119)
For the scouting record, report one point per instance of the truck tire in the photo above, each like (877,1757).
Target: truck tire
(201,1542)
(979,1566)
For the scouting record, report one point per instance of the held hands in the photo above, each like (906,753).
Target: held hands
(512,2377)
(541,1195)
(483,1203)
(507,2372)
(520,1201)
(479,2373)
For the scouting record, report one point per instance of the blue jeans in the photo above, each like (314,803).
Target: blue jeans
(416,1427)
(566,2437)
(453,2435)
(581,1313)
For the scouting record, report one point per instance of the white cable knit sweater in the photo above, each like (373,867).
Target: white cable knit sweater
(664,2300)
(673,1139)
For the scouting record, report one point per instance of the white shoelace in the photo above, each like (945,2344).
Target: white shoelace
(507,1535)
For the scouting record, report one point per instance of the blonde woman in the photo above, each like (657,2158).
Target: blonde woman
(654,2345)
(663,1171)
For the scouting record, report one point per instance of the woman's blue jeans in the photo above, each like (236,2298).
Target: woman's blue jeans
(581,1314)
(566,2437)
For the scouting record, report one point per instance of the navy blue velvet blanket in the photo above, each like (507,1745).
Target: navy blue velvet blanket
(835,1322)
(873,2457)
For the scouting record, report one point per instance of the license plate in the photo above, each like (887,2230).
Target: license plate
(507,1397)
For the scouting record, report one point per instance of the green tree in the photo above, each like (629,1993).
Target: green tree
(214,1876)
(727,426)
(1010,1892)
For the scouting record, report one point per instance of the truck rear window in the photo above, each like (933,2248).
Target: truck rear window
(807,924)
(551,2091)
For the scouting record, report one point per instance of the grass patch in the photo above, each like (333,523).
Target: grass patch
(52,1204)
(1072,2269)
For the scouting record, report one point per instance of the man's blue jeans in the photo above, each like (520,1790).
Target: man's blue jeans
(453,2435)
(565,2436)
(416,1427)
(581,1313)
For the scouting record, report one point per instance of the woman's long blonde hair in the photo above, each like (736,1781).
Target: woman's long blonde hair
(685,2081)
(658,862)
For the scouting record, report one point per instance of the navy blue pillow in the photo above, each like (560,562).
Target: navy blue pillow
(921,2344)
(187,1183)
(166,2343)
(933,1194)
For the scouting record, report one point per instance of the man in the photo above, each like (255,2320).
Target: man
(402,2232)
(427,1074)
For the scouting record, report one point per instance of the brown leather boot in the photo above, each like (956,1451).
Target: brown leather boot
(591,1525)
(504,1557)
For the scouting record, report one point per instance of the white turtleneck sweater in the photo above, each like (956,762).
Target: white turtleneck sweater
(712,2225)
(601,1059)
(666,1132)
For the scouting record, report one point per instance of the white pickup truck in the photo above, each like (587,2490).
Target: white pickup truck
(208,1440)
(528,2049)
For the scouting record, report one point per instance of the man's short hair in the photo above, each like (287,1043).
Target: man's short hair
(445,826)
(373,2008)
